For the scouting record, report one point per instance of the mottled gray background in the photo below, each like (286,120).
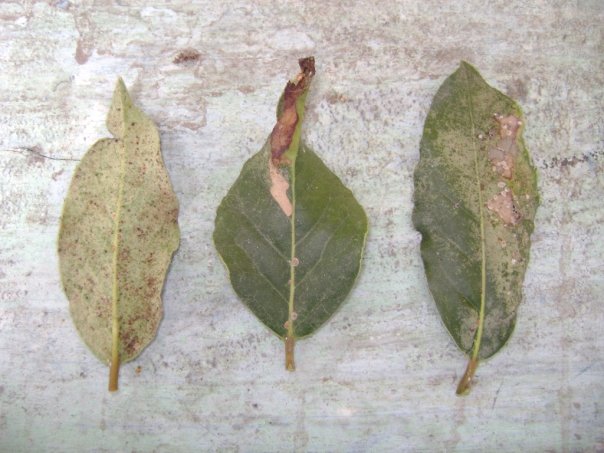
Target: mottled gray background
(381,375)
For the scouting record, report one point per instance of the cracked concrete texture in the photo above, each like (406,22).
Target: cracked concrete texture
(380,376)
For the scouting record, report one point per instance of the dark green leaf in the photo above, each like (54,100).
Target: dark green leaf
(289,232)
(118,233)
(475,202)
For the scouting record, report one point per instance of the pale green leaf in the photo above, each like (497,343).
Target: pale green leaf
(118,232)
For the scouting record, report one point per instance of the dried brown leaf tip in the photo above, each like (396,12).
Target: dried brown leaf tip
(283,132)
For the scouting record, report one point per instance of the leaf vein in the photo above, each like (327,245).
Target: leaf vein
(313,227)
(453,286)
(452,242)
(262,274)
(256,228)
(333,233)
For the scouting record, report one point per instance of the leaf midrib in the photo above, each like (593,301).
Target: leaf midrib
(115,293)
(293,252)
(481,313)
(262,274)
(316,263)
(292,267)
(314,225)
(261,234)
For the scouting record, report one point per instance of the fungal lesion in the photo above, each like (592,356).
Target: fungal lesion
(502,156)
(282,135)
(503,153)
(506,208)
(278,189)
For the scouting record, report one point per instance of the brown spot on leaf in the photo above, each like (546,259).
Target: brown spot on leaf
(186,56)
(503,154)
(124,254)
(503,163)
(283,132)
(508,125)
(129,342)
(504,206)
(150,258)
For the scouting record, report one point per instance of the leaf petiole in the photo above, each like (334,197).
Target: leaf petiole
(464,384)
(289,353)
(114,371)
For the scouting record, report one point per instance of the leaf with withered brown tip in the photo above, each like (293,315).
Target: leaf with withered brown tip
(290,233)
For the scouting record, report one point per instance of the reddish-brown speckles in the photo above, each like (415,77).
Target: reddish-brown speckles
(150,260)
(129,342)
(121,183)
(152,282)
(124,256)
(140,233)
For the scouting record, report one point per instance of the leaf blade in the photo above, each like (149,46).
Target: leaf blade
(475,202)
(279,260)
(118,233)
(239,247)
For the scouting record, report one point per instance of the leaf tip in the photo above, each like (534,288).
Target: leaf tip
(119,104)
(120,94)
(120,85)
(307,65)
(469,70)
(289,112)
(465,66)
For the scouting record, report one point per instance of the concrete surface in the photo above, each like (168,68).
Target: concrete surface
(381,375)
